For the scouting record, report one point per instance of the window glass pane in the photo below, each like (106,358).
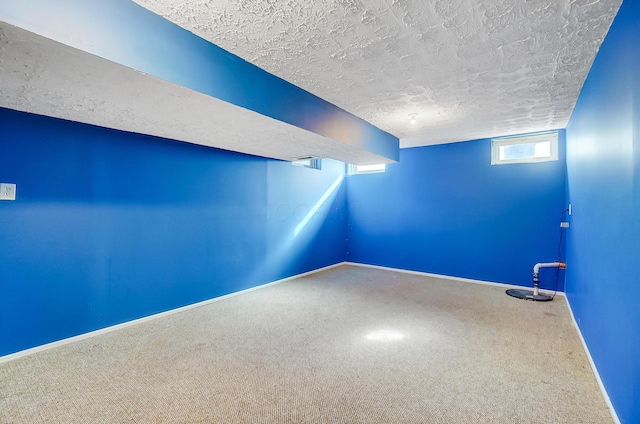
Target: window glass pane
(313,163)
(304,162)
(525,149)
(517,151)
(365,169)
(543,149)
(370,168)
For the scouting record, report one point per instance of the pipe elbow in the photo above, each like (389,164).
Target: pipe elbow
(536,268)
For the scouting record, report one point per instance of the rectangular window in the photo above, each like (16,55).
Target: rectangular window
(310,162)
(365,169)
(525,149)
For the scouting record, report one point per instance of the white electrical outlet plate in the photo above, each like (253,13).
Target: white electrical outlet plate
(569,209)
(7,191)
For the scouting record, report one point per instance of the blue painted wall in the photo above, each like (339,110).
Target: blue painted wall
(128,34)
(603,246)
(111,226)
(445,209)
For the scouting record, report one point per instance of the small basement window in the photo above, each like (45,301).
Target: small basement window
(365,169)
(310,162)
(525,149)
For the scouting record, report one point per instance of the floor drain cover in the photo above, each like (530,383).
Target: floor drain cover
(528,295)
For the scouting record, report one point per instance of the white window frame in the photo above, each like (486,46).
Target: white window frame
(496,143)
(353,169)
(310,162)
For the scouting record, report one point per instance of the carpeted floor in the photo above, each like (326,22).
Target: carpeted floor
(348,345)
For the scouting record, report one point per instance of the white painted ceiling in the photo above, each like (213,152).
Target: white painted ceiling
(469,69)
(42,76)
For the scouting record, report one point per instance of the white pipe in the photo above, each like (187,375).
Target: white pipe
(536,269)
(537,266)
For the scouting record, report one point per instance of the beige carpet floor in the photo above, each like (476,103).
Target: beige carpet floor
(348,345)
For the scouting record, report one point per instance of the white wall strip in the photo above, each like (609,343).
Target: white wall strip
(62,342)
(447,277)
(614,415)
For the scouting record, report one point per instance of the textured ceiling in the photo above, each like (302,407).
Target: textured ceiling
(42,76)
(468,69)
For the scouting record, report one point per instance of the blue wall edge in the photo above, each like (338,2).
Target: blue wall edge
(603,171)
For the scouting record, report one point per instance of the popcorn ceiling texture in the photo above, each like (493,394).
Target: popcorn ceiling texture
(49,78)
(469,69)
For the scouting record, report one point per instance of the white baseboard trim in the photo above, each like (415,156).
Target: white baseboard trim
(605,395)
(105,330)
(447,277)
(68,340)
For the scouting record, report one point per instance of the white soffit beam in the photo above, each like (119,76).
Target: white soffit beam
(42,76)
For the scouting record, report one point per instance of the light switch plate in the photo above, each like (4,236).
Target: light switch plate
(7,191)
